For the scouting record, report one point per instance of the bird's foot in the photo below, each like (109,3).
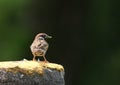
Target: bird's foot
(34,59)
(46,61)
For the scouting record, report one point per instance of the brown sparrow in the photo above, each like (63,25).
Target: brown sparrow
(40,46)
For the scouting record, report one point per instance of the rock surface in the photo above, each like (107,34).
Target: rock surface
(31,73)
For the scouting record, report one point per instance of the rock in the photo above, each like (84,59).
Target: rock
(31,73)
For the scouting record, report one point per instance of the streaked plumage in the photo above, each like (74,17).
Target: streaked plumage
(39,45)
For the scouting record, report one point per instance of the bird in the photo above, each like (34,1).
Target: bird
(39,46)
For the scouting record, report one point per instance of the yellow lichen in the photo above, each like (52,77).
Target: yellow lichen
(29,67)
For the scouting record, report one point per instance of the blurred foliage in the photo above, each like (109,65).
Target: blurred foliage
(12,31)
(85,36)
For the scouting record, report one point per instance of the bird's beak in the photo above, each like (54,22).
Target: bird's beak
(49,36)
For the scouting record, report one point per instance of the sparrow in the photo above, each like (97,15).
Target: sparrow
(39,46)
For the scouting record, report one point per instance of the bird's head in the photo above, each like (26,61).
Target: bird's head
(41,36)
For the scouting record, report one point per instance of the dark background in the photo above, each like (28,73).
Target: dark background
(86,36)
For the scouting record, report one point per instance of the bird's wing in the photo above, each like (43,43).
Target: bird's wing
(39,46)
(34,46)
(44,46)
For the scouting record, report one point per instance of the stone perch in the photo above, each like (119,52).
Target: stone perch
(31,73)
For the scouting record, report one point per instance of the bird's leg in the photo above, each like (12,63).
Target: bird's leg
(34,58)
(45,58)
